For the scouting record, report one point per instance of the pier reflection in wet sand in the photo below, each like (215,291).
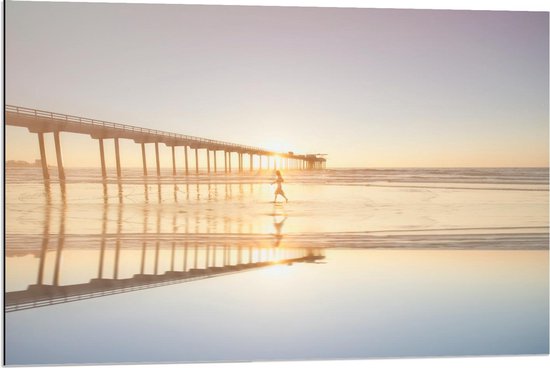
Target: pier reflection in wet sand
(188,260)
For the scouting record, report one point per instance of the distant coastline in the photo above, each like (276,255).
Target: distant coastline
(21,163)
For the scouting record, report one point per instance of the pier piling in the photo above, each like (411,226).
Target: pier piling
(117,154)
(197,161)
(173,160)
(225,161)
(144,159)
(157,158)
(102,158)
(43,161)
(215,163)
(229,160)
(186,161)
(60,169)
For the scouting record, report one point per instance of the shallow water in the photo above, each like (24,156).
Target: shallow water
(242,204)
(356,304)
(359,264)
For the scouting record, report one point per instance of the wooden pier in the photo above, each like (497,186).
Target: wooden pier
(45,122)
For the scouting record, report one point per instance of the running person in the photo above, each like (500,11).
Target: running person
(279,189)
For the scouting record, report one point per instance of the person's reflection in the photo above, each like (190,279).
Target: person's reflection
(278,225)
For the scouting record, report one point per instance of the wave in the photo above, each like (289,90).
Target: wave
(451,239)
(444,178)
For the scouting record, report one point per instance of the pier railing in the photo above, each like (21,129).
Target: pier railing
(126,127)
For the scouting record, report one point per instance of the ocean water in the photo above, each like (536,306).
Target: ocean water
(537,177)
(360,263)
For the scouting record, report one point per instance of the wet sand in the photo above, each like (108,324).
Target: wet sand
(248,209)
(355,304)
(209,269)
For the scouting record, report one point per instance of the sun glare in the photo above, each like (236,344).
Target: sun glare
(277,146)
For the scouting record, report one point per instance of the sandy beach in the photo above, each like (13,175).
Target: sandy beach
(401,270)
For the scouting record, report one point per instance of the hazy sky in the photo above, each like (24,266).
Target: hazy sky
(368,87)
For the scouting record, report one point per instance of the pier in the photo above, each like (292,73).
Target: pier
(41,122)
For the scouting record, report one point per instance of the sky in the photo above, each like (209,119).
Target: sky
(368,87)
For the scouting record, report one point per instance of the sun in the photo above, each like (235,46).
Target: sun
(277,146)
